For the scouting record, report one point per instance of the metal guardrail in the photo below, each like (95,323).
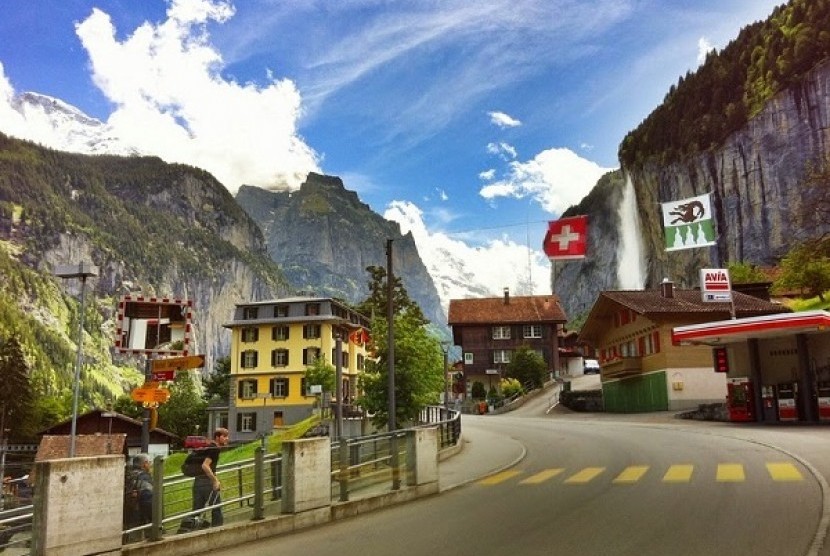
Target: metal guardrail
(252,488)
(16,529)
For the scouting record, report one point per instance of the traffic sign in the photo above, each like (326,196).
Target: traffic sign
(163,376)
(150,393)
(177,363)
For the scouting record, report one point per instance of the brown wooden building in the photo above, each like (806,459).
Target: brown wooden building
(101,423)
(488,330)
(641,370)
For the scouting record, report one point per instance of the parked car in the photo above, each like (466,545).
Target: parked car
(191,442)
(590,367)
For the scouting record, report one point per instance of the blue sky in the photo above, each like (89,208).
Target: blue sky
(471,123)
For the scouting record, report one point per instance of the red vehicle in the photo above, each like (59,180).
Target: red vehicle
(196,442)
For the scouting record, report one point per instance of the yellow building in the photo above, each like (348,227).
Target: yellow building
(272,344)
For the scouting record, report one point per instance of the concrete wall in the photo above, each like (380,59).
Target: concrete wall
(422,456)
(306,474)
(78,506)
(690,387)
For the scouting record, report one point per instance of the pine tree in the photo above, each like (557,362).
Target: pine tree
(15,389)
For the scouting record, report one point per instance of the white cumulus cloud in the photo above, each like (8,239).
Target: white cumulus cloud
(503,120)
(172,101)
(555,178)
(489,268)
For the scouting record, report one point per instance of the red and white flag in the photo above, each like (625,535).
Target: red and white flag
(566,238)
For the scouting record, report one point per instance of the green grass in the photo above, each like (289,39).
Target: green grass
(178,495)
(810,304)
(173,462)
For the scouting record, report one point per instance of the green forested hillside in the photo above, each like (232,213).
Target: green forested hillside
(732,85)
(148,225)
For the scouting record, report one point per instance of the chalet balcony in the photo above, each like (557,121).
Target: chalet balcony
(622,367)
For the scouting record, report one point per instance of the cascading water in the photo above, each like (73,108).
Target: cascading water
(631,263)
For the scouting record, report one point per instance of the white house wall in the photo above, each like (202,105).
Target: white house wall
(699,385)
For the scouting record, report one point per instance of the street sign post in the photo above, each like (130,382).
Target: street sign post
(150,393)
(177,363)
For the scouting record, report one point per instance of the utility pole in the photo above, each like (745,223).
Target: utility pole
(390,336)
(82,271)
(390,324)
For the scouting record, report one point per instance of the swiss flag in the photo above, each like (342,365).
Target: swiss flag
(566,238)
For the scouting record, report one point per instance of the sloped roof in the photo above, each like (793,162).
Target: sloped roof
(99,414)
(57,447)
(683,307)
(508,309)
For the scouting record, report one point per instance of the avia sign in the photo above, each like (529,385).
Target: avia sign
(715,285)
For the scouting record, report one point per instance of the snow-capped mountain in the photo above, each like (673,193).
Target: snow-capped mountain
(61,126)
(58,125)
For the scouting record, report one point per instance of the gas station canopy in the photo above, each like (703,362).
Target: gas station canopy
(739,330)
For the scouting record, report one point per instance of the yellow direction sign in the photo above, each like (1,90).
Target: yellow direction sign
(177,363)
(150,393)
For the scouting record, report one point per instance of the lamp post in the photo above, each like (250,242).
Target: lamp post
(445,346)
(82,271)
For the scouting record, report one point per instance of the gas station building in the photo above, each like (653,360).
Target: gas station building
(777,366)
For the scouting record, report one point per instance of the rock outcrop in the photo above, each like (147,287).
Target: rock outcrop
(323,237)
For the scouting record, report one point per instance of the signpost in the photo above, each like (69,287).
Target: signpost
(177,363)
(715,287)
(150,393)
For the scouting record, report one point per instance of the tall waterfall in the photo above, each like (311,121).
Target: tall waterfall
(631,263)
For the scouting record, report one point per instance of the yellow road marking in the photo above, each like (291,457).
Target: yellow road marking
(587,474)
(542,476)
(499,477)
(784,472)
(631,474)
(730,473)
(678,474)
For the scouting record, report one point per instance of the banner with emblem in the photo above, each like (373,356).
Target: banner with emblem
(689,223)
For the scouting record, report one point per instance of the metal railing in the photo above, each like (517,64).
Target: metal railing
(252,488)
(16,528)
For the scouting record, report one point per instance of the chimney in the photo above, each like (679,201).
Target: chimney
(507,296)
(667,288)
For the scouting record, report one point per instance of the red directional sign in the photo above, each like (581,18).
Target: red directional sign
(164,376)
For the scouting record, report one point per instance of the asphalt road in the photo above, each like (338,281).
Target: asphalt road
(605,485)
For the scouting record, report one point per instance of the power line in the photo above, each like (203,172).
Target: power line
(516,225)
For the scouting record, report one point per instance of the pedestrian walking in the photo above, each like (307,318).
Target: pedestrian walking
(206,485)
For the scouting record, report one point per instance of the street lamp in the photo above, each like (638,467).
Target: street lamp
(82,271)
(445,346)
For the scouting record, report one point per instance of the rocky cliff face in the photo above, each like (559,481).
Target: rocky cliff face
(324,237)
(757,179)
(152,228)
(578,282)
(762,203)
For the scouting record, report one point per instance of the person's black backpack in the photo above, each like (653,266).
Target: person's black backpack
(192,466)
(132,484)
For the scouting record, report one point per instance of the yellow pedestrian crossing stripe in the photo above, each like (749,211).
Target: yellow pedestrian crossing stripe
(542,476)
(677,473)
(730,473)
(586,475)
(631,474)
(784,472)
(499,477)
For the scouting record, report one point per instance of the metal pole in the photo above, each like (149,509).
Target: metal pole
(78,360)
(3,445)
(446,380)
(390,341)
(145,421)
(338,387)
